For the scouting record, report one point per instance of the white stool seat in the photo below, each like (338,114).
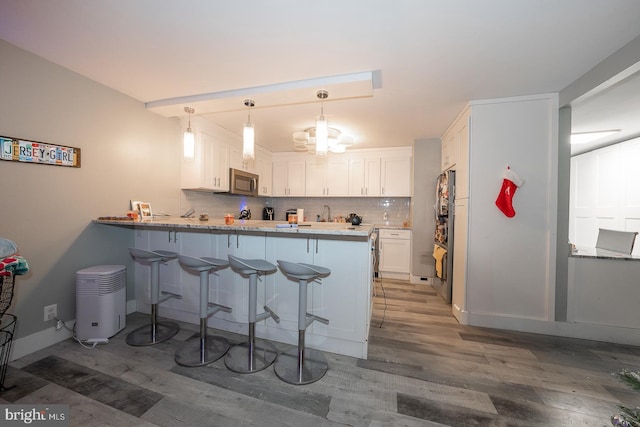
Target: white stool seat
(154,255)
(302,365)
(302,270)
(157,331)
(202,263)
(253,355)
(249,266)
(207,348)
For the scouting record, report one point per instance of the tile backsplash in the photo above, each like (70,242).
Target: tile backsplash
(371,209)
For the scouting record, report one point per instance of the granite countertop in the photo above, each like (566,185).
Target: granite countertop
(602,254)
(318,228)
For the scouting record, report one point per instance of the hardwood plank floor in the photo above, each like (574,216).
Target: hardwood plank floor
(423,369)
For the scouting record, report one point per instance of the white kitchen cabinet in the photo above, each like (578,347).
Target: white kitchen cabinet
(234,288)
(327,176)
(395,253)
(460,242)
(172,277)
(364,175)
(264,169)
(288,176)
(344,302)
(395,173)
(209,168)
(236,160)
(449,150)
(455,152)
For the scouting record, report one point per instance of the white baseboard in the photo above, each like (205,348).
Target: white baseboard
(47,337)
(612,334)
(417,280)
(39,340)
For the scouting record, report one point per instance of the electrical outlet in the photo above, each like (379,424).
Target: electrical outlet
(50,312)
(59,324)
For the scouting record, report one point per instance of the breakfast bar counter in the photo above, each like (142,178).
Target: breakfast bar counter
(344,297)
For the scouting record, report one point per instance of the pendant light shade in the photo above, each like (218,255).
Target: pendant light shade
(248,134)
(322,137)
(189,139)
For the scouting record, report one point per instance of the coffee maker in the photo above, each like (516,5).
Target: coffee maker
(268,214)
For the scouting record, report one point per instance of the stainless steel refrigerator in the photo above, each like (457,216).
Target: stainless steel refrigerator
(443,236)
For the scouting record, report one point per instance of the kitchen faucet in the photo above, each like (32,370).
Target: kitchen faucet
(328,213)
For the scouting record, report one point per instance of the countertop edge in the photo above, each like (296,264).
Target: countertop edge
(333,229)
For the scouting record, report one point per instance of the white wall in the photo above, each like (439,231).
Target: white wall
(426,160)
(511,261)
(604,192)
(127,153)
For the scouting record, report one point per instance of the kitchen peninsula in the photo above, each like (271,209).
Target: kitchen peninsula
(344,297)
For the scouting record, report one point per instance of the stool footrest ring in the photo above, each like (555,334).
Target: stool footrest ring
(312,317)
(168,295)
(214,308)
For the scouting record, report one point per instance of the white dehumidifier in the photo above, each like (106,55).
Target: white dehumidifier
(101,302)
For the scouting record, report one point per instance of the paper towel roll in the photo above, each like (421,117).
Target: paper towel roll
(300,213)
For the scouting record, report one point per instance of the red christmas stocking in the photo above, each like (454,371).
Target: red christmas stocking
(510,183)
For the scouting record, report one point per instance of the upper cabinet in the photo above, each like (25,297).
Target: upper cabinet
(364,175)
(288,175)
(376,173)
(237,162)
(264,165)
(216,151)
(327,176)
(455,152)
(209,168)
(395,172)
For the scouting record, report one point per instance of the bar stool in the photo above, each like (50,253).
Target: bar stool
(156,332)
(302,365)
(208,348)
(253,355)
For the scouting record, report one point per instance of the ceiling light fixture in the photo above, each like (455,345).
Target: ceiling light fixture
(248,134)
(189,139)
(585,137)
(321,139)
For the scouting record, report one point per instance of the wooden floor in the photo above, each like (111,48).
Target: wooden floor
(424,369)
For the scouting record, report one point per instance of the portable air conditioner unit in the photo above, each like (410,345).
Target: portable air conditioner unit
(101,301)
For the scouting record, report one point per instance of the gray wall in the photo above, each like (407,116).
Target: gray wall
(426,168)
(127,153)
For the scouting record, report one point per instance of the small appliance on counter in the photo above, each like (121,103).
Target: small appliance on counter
(290,212)
(245,214)
(268,214)
(354,219)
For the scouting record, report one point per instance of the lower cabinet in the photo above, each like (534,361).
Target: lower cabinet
(395,253)
(343,297)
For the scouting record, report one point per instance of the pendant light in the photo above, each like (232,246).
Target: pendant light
(189,140)
(322,127)
(248,134)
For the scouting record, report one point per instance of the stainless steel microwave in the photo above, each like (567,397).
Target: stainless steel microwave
(244,183)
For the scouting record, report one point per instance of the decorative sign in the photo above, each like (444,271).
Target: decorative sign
(22,150)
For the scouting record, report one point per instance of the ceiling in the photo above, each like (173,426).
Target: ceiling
(422,59)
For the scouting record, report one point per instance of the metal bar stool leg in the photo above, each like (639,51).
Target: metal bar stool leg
(207,348)
(157,331)
(253,355)
(301,365)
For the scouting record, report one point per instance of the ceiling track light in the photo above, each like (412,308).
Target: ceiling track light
(248,133)
(189,139)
